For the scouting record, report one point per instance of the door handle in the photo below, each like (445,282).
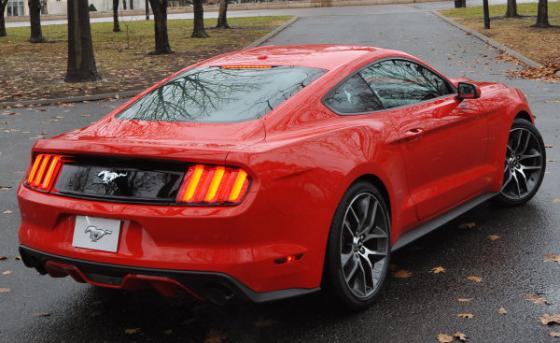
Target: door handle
(416,132)
(412,135)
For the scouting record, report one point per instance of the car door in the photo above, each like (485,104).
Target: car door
(443,139)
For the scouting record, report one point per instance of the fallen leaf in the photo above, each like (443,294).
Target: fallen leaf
(445,338)
(132,331)
(554,333)
(467,225)
(438,269)
(556,200)
(215,336)
(402,274)
(460,336)
(548,319)
(502,311)
(464,300)
(465,315)
(7,211)
(552,258)
(493,237)
(41,314)
(4,290)
(2,258)
(5,188)
(7,272)
(168,332)
(474,278)
(536,299)
(17,258)
(549,146)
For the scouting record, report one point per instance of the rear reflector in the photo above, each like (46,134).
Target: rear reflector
(213,185)
(44,171)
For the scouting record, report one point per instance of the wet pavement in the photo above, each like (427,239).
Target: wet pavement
(414,309)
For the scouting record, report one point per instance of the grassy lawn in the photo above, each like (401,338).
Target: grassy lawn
(36,71)
(542,45)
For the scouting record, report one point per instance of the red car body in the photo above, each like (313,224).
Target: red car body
(428,158)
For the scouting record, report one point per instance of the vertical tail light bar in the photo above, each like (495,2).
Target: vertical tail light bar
(214,185)
(44,171)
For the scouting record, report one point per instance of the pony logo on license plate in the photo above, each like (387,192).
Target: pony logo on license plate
(96,233)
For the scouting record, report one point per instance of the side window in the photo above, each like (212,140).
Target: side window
(401,82)
(353,96)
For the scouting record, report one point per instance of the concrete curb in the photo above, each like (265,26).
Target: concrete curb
(128,93)
(94,97)
(490,41)
(272,33)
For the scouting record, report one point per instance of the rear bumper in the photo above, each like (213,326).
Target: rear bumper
(244,242)
(217,288)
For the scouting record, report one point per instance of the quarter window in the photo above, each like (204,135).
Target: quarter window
(353,96)
(401,82)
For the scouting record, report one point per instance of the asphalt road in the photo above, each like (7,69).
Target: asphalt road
(240,13)
(414,309)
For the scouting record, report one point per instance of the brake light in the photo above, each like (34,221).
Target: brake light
(246,67)
(212,185)
(44,171)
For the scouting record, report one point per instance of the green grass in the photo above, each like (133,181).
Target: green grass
(528,9)
(31,71)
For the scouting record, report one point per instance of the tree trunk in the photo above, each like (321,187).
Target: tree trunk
(198,26)
(81,61)
(116,26)
(131,4)
(512,9)
(124,4)
(35,20)
(222,15)
(159,9)
(3,4)
(542,14)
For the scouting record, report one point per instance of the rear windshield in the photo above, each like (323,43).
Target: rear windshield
(218,94)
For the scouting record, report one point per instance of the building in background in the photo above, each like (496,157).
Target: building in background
(58,7)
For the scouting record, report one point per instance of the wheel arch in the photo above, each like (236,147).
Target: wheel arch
(379,184)
(524,115)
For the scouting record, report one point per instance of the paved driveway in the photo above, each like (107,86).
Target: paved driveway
(411,310)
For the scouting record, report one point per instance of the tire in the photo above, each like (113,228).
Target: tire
(525,165)
(349,279)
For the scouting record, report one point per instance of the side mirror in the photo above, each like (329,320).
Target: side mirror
(467,91)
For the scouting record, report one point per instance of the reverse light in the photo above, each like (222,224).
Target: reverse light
(213,185)
(44,171)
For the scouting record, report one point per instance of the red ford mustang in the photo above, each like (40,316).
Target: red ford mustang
(274,172)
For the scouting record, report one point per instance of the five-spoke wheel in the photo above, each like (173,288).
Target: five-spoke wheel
(359,249)
(364,244)
(524,165)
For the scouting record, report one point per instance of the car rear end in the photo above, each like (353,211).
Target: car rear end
(147,197)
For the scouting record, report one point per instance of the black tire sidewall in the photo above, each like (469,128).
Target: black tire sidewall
(505,201)
(333,281)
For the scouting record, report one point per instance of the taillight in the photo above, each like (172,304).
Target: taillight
(212,185)
(44,171)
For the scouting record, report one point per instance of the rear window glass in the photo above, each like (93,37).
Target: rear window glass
(218,94)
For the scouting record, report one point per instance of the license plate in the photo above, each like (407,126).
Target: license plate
(96,233)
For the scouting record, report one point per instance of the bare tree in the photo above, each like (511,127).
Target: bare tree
(511,11)
(81,60)
(116,26)
(542,14)
(159,9)
(198,25)
(3,4)
(35,21)
(222,15)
